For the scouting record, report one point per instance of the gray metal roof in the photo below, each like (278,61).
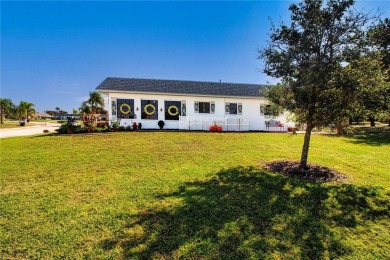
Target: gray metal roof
(182,87)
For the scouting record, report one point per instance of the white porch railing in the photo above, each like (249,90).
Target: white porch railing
(204,123)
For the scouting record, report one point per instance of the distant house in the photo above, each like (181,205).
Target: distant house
(66,116)
(191,105)
(43,116)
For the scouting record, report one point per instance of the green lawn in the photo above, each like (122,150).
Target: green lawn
(191,195)
(50,121)
(13,124)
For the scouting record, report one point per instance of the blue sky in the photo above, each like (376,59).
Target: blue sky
(54,53)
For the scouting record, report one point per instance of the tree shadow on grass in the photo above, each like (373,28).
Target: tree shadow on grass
(43,135)
(249,213)
(377,139)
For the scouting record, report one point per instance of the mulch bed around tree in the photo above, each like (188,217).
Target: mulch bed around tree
(313,173)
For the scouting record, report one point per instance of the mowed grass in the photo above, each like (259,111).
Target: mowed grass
(13,124)
(191,195)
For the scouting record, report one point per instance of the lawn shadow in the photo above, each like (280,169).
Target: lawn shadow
(248,213)
(375,139)
(43,135)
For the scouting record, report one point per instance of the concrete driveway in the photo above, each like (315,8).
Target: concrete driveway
(30,130)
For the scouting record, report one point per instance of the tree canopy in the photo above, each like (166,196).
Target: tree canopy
(379,37)
(379,41)
(96,102)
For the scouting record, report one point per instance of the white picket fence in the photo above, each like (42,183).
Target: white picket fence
(204,123)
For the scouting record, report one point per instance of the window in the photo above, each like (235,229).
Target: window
(149,109)
(204,107)
(172,110)
(125,108)
(233,108)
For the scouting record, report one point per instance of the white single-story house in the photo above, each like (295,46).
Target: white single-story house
(188,105)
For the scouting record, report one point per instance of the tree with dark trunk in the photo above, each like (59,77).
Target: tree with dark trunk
(307,54)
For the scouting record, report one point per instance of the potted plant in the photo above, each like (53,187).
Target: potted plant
(91,128)
(161,124)
(69,128)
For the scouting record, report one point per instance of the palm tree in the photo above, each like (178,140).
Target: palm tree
(6,107)
(25,109)
(85,109)
(94,105)
(96,101)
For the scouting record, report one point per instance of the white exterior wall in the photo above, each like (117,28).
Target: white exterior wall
(250,110)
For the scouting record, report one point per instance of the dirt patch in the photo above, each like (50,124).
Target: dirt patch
(313,173)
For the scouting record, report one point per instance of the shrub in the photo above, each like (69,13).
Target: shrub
(22,123)
(80,129)
(63,129)
(99,129)
(115,124)
(102,129)
(75,128)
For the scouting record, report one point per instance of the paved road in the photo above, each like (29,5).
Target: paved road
(30,130)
